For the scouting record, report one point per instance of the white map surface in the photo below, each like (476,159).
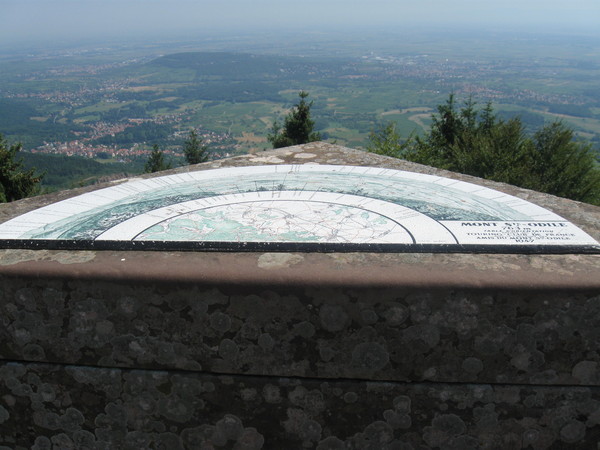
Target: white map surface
(280,221)
(300,204)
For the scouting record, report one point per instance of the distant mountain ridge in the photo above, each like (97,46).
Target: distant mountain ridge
(245,77)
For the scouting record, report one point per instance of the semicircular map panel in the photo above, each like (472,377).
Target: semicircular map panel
(284,207)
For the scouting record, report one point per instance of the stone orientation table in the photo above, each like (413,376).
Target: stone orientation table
(403,328)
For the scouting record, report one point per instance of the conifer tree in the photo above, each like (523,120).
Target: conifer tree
(194,150)
(156,162)
(297,127)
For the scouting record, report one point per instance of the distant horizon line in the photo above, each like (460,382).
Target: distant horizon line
(136,38)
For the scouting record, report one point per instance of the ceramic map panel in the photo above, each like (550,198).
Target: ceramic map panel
(304,207)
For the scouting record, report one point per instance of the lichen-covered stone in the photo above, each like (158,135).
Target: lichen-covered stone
(115,408)
(505,337)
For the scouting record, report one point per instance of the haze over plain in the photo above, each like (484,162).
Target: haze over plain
(45,20)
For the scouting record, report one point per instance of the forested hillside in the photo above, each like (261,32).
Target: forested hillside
(66,172)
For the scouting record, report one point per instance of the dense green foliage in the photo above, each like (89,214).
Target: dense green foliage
(156,162)
(479,143)
(194,150)
(297,127)
(15,181)
(562,166)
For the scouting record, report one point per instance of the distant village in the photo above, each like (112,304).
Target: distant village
(85,147)
(220,146)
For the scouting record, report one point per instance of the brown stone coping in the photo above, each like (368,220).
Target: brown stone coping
(536,272)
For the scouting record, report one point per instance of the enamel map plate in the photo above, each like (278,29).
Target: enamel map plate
(297,208)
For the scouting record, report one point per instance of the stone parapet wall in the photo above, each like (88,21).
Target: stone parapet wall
(147,364)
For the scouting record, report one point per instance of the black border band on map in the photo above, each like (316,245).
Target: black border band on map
(301,247)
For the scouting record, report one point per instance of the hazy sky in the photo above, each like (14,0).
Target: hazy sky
(24,20)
